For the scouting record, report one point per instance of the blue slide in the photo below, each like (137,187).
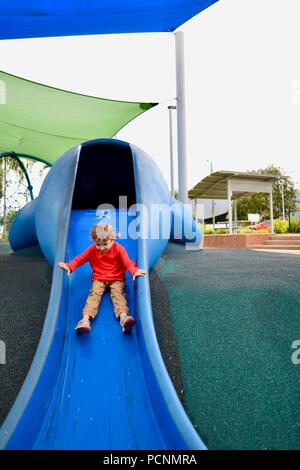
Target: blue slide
(100,392)
(105,390)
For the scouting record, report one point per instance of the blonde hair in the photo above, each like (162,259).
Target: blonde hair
(103,232)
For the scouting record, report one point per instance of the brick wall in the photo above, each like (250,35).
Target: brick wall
(234,241)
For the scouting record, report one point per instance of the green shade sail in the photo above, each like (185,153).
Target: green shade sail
(44,122)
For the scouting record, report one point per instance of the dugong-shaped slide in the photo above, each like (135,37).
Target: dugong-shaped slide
(105,390)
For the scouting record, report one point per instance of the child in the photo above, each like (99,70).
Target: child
(109,261)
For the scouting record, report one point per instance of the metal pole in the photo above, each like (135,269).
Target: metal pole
(24,155)
(282,194)
(235,216)
(212,201)
(181,118)
(29,186)
(271,209)
(170,108)
(229,194)
(22,166)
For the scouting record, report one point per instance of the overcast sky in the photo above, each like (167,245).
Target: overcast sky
(242,83)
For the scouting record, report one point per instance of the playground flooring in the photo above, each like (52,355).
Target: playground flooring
(24,293)
(236,314)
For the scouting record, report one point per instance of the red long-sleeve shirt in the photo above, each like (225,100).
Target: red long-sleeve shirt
(109,266)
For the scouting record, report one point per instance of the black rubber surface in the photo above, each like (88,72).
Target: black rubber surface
(165,331)
(24,293)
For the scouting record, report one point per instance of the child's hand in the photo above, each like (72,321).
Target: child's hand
(139,272)
(63,265)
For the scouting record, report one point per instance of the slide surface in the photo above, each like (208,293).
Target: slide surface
(101,399)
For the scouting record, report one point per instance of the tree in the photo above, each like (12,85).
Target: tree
(10,218)
(8,222)
(260,204)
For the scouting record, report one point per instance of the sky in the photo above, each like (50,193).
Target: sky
(242,72)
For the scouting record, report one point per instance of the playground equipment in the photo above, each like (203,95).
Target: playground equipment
(104,390)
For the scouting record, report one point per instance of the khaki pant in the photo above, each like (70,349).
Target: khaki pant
(117,296)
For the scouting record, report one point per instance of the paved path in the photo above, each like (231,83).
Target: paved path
(287,252)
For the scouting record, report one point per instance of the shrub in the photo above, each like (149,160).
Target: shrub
(208,230)
(245,231)
(281,226)
(294,226)
(263,230)
(222,231)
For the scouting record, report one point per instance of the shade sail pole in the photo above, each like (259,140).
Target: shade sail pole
(181,118)
(171,108)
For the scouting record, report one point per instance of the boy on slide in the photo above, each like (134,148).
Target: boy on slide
(109,261)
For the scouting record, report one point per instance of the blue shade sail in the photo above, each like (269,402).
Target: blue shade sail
(44,18)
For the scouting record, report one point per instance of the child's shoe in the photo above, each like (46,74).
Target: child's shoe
(83,326)
(127,323)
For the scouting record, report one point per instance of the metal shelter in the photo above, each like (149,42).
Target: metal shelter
(232,186)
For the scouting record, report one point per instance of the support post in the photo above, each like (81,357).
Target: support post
(229,194)
(283,205)
(171,108)
(212,201)
(181,118)
(271,209)
(235,216)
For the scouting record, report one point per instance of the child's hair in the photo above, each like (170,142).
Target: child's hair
(103,232)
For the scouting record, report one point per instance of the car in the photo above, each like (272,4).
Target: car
(265,225)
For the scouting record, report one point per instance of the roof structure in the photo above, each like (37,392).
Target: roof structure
(44,18)
(215,186)
(45,122)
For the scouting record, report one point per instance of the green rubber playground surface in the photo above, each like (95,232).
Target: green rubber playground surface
(235,315)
